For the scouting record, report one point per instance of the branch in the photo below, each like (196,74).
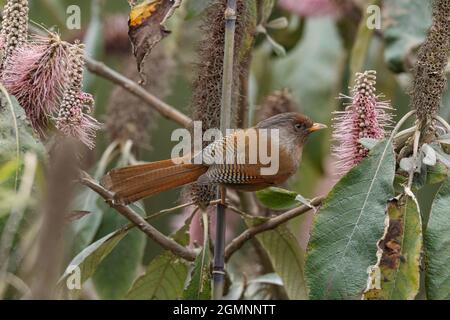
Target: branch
(270,224)
(165,242)
(102,70)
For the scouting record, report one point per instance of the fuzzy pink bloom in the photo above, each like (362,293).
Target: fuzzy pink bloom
(312,7)
(73,120)
(36,75)
(364,117)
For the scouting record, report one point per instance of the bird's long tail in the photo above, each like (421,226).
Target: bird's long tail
(132,183)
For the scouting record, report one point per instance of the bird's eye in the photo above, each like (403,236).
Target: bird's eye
(298,126)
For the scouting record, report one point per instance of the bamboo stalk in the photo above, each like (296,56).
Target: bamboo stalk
(225,123)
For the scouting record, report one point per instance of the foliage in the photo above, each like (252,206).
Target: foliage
(371,237)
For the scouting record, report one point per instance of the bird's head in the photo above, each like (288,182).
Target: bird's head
(293,127)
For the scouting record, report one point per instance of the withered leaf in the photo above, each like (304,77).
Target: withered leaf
(146,27)
(76,214)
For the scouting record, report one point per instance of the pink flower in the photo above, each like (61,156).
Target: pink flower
(364,117)
(312,7)
(72,120)
(36,75)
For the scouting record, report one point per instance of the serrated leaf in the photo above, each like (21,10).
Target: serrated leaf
(348,226)
(277,198)
(163,279)
(165,276)
(87,261)
(405,25)
(397,273)
(437,246)
(287,260)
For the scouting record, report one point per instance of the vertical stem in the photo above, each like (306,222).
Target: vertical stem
(225,123)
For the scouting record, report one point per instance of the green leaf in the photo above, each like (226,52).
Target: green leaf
(163,279)
(8,169)
(199,287)
(405,25)
(87,261)
(396,275)
(348,226)
(277,198)
(86,228)
(166,274)
(14,139)
(437,173)
(116,273)
(369,143)
(287,260)
(437,246)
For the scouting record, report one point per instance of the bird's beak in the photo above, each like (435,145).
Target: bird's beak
(317,126)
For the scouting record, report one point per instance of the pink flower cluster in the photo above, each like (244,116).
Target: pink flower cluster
(73,118)
(312,7)
(364,117)
(36,75)
(45,75)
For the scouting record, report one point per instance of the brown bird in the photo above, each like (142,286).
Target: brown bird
(229,161)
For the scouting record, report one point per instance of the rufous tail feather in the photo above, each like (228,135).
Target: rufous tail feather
(132,183)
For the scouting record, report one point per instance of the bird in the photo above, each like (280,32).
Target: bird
(283,135)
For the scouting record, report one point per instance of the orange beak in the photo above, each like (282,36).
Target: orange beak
(316,127)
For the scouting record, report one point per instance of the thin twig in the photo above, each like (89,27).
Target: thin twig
(414,157)
(443,122)
(102,70)
(137,220)
(270,224)
(164,211)
(243,214)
